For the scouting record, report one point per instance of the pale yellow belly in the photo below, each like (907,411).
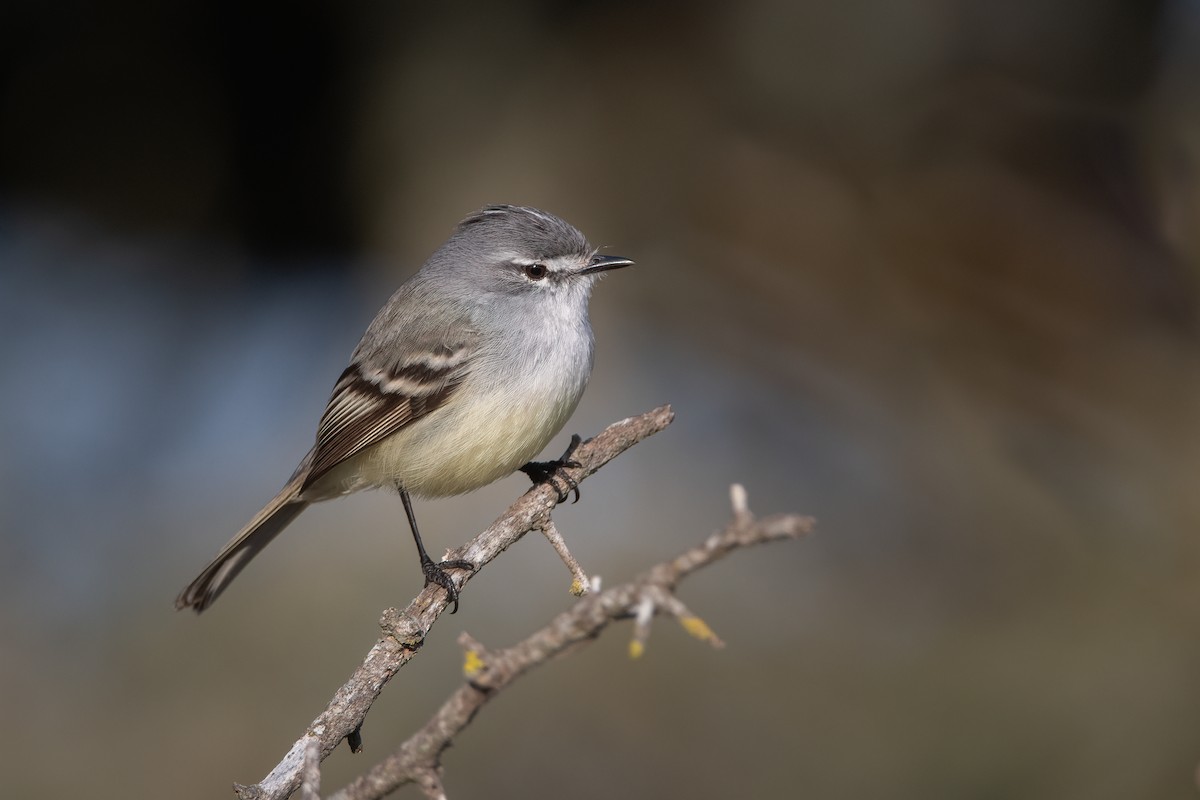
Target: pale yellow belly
(468,448)
(466,444)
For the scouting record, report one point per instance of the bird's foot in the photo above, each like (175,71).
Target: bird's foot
(551,472)
(435,572)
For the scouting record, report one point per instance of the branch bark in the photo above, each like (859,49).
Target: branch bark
(405,631)
(418,760)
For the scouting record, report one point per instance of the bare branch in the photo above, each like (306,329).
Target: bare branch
(310,784)
(405,631)
(490,672)
(582,583)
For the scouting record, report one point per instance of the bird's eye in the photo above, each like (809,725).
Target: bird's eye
(535,272)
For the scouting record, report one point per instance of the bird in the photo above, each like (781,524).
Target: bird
(466,373)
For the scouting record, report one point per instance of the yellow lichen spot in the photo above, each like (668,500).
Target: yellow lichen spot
(698,628)
(577,588)
(472,664)
(636,649)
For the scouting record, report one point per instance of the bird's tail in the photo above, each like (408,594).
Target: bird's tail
(257,534)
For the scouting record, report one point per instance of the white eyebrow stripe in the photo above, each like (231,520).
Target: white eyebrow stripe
(556,264)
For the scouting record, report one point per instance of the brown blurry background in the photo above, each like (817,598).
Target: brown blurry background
(924,269)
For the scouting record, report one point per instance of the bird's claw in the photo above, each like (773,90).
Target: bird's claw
(551,472)
(435,572)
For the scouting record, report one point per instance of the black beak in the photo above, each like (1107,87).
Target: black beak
(605,263)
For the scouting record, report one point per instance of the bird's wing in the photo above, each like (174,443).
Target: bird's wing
(370,403)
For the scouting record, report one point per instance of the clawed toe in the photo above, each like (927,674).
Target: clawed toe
(435,572)
(551,472)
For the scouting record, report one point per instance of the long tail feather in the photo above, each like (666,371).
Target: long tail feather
(257,534)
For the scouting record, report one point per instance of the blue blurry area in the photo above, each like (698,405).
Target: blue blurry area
(143,383)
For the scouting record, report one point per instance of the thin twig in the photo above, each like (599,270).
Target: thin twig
(581,584)
(490,672)
(310,784)
(405,631)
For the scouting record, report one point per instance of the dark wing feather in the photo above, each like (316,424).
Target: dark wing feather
(367,406)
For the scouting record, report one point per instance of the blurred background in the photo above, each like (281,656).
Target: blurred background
(926,270)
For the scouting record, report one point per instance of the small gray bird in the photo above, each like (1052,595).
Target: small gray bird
(474,364)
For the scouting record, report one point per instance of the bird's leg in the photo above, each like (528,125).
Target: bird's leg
(551,472)
(435,571)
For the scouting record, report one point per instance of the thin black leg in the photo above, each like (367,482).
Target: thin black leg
(435,571)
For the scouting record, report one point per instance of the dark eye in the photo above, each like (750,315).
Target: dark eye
(535,272)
